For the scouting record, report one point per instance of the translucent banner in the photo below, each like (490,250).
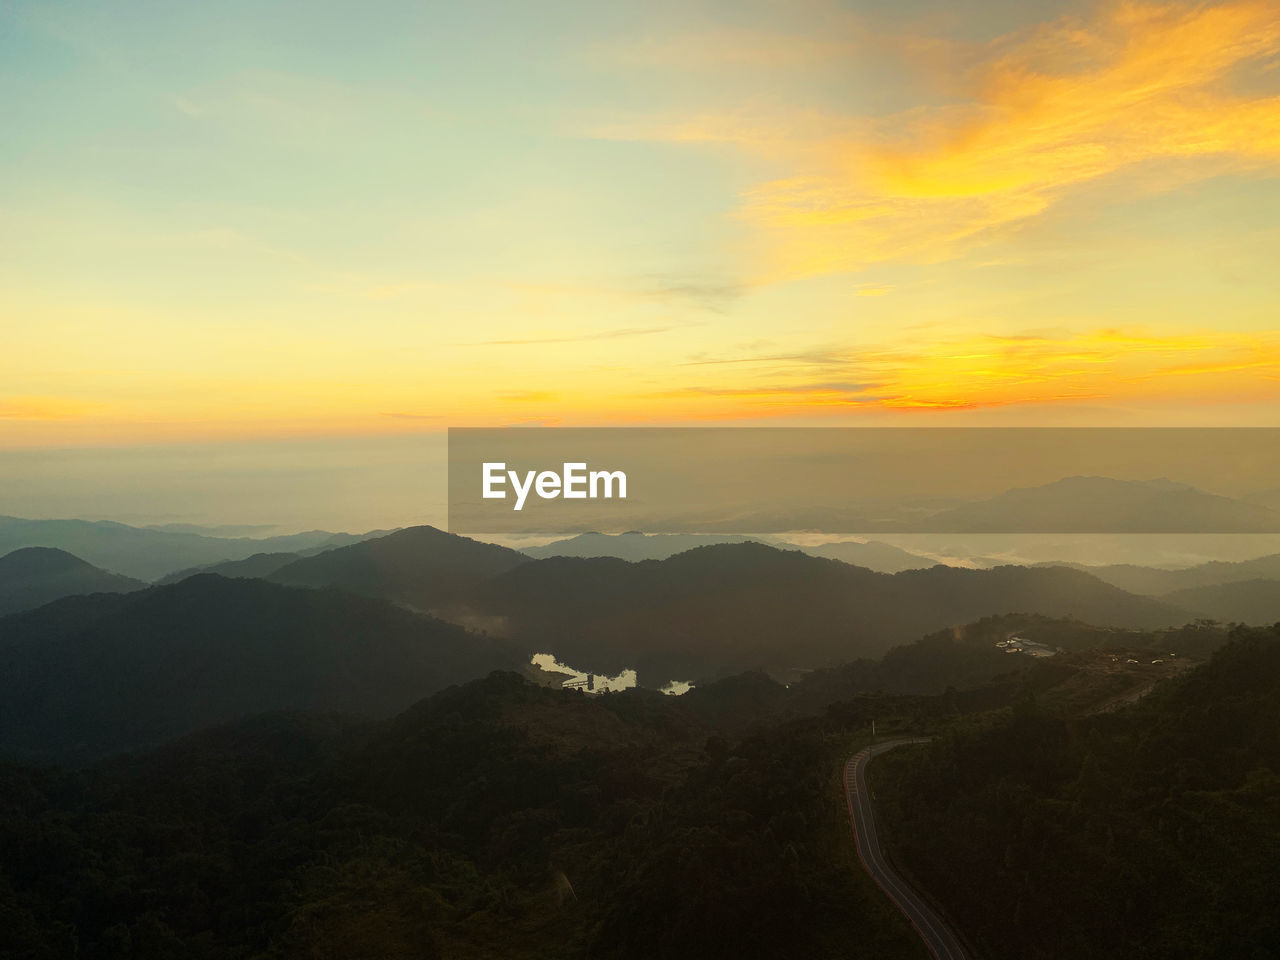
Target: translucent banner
(864,480)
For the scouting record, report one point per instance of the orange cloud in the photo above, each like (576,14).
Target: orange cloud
(1030,116)
(1067,104)
(975,371)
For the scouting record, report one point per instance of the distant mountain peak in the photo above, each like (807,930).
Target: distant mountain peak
(422,566)
(1092,504)
(30,577)
(1094,480)
(42,559)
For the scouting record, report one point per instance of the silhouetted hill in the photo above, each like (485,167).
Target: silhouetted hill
(495,819)
(1103,505)
(148,553)
(260,565)
(928,666)
(1155,581)
(216,530)
(1255,602)
(659,546)
(33,576)
(874,555)
(421,566)
(740,702)
(634,545)
(1168,807)
(84,677)
(719,609)
(1267,498)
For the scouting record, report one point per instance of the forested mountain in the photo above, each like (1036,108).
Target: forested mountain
(501,818)
(719,609)
(1105,505)
(1155,581)
(498,819)
(636,546)
(86,676)
(260,565)
(33,576)
(420,566)
(1144,833)
(89,675)
(633,546)
(881,557)
(1255,602)
(148,553)
(705,612)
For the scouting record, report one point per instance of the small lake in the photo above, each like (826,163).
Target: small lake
(599,683)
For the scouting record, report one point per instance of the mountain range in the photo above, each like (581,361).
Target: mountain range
(637,546)
(120,666)
(260,565)
(86,676)
(1244,601)
(33,576)
(1156,581)
(149,553)
(872,554)
(706,611)
(1105,505)
(422,567)
(502,819)
(727,607)
(634,545)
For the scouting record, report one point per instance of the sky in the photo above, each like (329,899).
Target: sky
(278,221)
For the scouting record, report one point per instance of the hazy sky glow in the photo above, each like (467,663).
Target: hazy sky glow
(255,219)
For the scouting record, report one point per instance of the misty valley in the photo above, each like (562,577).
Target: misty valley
(411,744)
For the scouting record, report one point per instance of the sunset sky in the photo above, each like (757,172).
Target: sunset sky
(256,220)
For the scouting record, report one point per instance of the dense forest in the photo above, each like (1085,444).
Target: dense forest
(503,818)
(495,819)
(88,676)
(248,770)
(1151,832)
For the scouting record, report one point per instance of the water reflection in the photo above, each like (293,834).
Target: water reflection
(596,682)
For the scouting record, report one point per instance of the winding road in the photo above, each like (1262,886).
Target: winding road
(933,930)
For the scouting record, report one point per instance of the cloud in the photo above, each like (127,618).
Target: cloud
(1027,119)
(579,338)
(725,47)
(818,356)
(826,388)
(708,291)
(716,295)
(527,396)
(928,371)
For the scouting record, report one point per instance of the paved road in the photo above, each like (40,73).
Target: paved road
(942,943)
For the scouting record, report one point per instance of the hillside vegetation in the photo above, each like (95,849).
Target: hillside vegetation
(1147,833)
(88,676)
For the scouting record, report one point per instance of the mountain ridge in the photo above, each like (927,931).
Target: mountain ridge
(1106,505)
(148,553)
(33,576)
(739,606)
(84,677)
